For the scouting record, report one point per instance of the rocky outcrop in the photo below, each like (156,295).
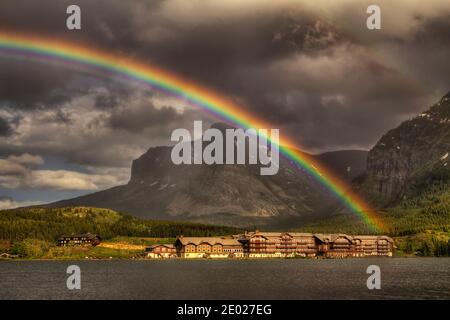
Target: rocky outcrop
(409,156)
(215,193)
(221,194)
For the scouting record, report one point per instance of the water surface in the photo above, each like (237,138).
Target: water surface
(401,278)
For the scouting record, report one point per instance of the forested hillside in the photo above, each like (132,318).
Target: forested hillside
(50,223)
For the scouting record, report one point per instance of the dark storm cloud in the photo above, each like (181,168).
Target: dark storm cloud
(342,99)
(8,125)
(142,117)
(203,50)
(427,53)
(104,100)
(5,128)
(28,85)
(25,85)
(112,93)
(326,83)
(83,133)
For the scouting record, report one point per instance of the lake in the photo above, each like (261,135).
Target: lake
(401,278)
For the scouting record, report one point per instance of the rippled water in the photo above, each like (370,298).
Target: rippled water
(401,278)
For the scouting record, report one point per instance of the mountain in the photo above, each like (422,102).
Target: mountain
(410,159)
(219,194)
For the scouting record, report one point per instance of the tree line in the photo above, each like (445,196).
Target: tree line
(51,223)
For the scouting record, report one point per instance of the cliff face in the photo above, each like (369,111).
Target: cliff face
(198,190)
(409,157)
(220,194)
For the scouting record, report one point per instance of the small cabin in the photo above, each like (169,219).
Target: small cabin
(79,240)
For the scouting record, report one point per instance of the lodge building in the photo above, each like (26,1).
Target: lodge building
(161,251)
(79,240)
(276,244)
(212,247)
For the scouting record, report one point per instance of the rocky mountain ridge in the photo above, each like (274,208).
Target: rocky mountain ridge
(220,194)
(410,157)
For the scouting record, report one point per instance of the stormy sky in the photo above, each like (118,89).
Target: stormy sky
(310,68)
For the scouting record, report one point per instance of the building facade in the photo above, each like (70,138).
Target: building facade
(209,247)
(283,245)
(161,251)
(290,244)
(86,239)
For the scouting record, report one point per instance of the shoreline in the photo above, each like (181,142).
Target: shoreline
(226,259)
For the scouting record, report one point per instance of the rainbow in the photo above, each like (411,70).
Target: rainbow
(207,100)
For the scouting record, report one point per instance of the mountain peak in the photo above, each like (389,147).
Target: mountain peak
(445,100)
(442,108)
(446,96)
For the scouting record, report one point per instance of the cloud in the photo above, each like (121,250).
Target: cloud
(84,133)
(5,128)
(69,180)
(9,203)
(24,87)
(19,172)
(18,165)
(26,159)
(310,68)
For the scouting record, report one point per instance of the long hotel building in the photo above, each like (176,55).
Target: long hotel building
(276,244)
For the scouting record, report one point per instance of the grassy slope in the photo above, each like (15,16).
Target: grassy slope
(117,248)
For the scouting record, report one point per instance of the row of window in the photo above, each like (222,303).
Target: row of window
(163,250)
(214,249)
